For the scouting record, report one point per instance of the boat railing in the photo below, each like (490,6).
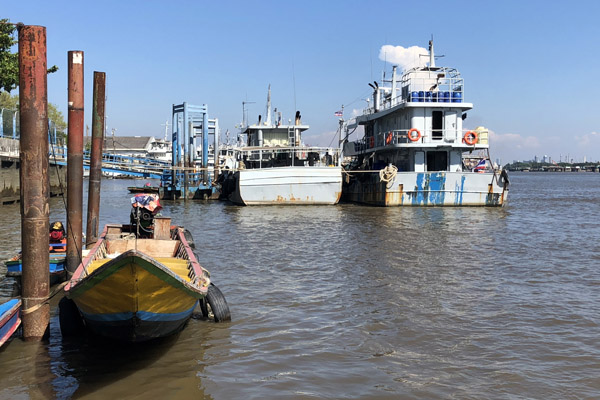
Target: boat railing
(406,137)
(443,85)
(268,157)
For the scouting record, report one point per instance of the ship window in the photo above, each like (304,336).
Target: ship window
(437,124)
(437,160)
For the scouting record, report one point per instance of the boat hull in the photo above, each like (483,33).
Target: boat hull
(427,189)
(288,185)
(134,298)
(10,319)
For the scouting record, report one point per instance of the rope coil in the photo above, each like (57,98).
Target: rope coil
(388,173)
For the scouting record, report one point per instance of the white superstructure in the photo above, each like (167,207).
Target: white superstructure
(275,167)
(415,151)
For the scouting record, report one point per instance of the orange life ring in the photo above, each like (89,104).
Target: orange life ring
(388,138)
(372,142)
(411,137)
(470,138)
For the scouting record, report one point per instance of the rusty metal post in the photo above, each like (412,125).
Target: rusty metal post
(75,161)
(96,159)
(35,212)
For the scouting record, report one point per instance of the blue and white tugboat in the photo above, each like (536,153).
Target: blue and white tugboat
(415,151)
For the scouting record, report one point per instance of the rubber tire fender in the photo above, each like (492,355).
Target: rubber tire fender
(218,304)
(190,239)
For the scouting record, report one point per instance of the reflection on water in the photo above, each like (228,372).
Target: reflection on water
(358,302)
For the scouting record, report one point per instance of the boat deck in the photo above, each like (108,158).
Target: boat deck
(177,265)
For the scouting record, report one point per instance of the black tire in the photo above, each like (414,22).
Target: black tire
(190,239)
(71,321)
(203,307)
(218,304)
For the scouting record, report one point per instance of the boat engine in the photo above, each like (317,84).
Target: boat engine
(144,209)
(142,222)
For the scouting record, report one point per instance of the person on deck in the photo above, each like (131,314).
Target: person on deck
(57,236)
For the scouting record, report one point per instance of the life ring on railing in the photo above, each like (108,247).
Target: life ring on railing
(411,137)
(470,138)
(372,142)
(388,138)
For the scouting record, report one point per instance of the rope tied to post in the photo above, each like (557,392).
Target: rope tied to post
(45,300)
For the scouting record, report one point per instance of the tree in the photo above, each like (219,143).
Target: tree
(9,80)
(9,62)
(10,104)
(57,120)
(8,107)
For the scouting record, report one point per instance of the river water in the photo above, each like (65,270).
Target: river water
(348,302)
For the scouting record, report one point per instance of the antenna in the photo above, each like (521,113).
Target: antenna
(166,125)
(244,112)
(294,79)
(431,55)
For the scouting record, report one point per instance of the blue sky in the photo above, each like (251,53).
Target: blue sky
(528,66)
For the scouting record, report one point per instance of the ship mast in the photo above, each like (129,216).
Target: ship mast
(268,121)
(431,56)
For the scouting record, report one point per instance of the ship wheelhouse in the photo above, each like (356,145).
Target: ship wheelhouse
(418,126)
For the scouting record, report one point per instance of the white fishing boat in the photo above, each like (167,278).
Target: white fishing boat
(276,167)
(414,151)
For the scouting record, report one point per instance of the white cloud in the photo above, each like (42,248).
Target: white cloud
(588,140)
(405,58)
(513,146)
(514,140)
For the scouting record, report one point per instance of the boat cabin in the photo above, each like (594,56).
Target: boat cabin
(416,123)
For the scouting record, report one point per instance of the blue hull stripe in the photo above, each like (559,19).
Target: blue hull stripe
(142,315)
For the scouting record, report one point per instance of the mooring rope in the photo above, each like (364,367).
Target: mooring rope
(45,300)
(388,173)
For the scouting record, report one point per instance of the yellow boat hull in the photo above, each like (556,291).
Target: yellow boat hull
(135,297)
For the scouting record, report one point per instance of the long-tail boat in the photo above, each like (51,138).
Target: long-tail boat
(140,281)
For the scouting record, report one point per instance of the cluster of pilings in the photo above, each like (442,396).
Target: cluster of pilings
(35,210)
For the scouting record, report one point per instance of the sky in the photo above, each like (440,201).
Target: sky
(527,65)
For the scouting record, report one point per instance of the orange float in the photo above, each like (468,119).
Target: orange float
(470,138)
(411,137)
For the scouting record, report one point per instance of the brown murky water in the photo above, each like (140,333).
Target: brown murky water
(358,302)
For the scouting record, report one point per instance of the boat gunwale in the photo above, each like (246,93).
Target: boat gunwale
(7,315)
(80,275)
(147,262)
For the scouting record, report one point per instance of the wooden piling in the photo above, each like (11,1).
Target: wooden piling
(75,161)
(96,159)
(35,212)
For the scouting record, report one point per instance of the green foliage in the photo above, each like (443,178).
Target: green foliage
(10,104)
(9,62)
(56,119)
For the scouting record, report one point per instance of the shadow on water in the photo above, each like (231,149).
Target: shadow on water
(96,363)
